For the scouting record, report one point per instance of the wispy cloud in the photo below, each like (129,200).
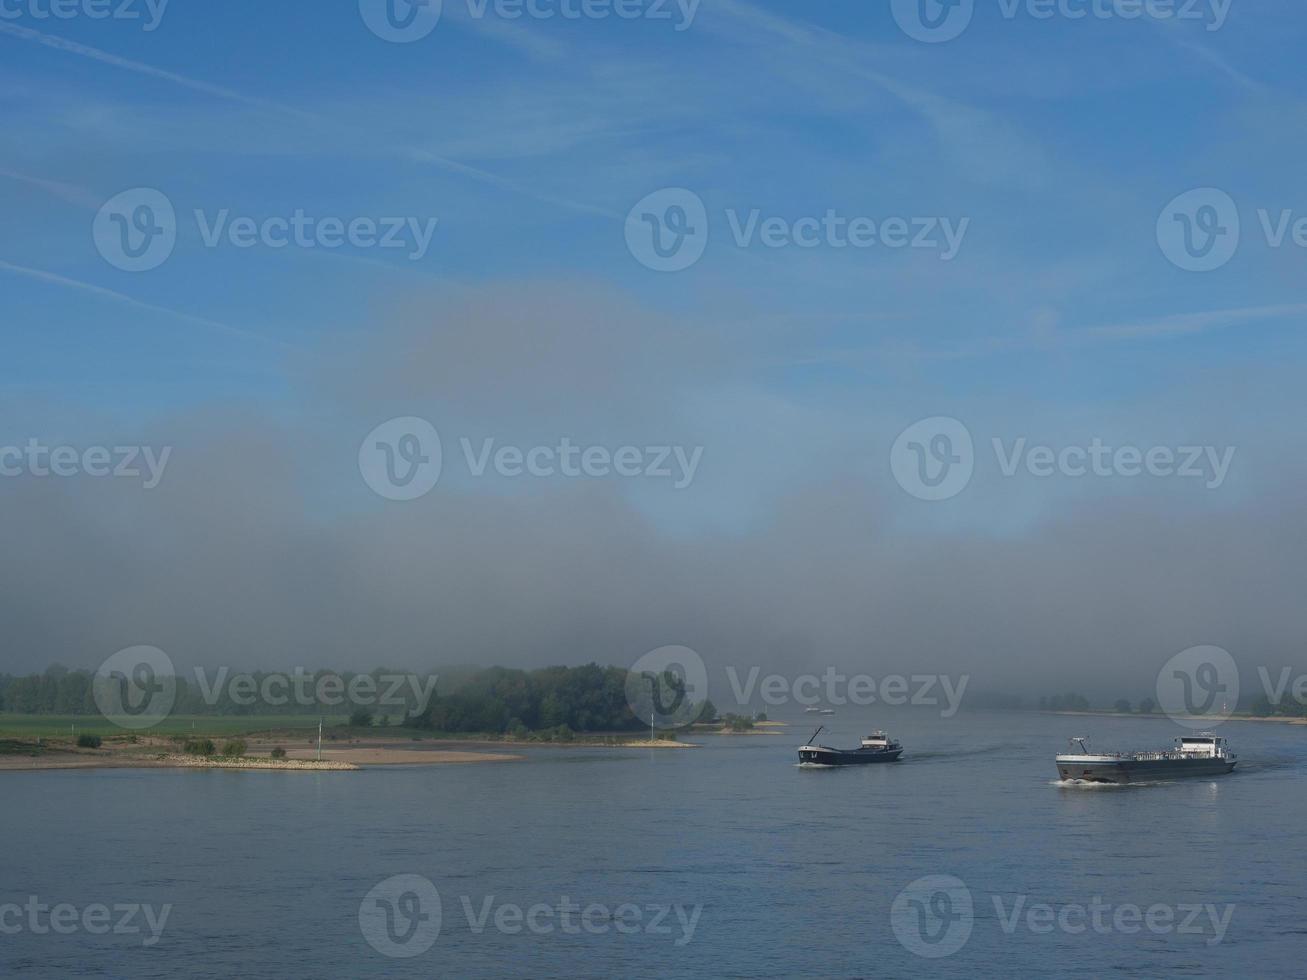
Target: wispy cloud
(1045,338)
(114,296)
(511,33)
(127,64)
(401,151)
(71,193)
(1182,324)
(1175,32)
(986,146)
(1220,63)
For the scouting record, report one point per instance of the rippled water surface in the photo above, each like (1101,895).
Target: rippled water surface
(752,866)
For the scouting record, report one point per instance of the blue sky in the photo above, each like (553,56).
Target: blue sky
(1058,141)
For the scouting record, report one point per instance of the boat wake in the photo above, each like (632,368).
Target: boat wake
(988,750)
(1085,784)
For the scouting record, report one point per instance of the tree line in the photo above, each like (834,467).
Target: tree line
(502,700)
(60,690)
(509,701)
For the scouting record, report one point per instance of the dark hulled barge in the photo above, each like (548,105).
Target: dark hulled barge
(876,747)
(1194,755)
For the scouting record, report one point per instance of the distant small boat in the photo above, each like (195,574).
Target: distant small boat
(812,711)
(827,711)
(875,747)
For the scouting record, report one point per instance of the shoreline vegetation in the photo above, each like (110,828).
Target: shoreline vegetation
(295,750)
(51,720)
(479,715)
(289,751)
(343,748)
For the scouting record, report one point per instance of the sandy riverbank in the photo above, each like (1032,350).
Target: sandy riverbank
(155,752)
(379,751)
(89,759)
(152,752)
(1280,719)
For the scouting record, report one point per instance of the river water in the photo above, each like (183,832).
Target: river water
(726,860)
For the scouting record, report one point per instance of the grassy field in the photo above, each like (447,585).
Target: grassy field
(54,726)
(64,727)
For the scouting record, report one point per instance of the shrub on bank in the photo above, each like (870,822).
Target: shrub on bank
(88,741)
(278,753)
(199,746)
(234,748)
